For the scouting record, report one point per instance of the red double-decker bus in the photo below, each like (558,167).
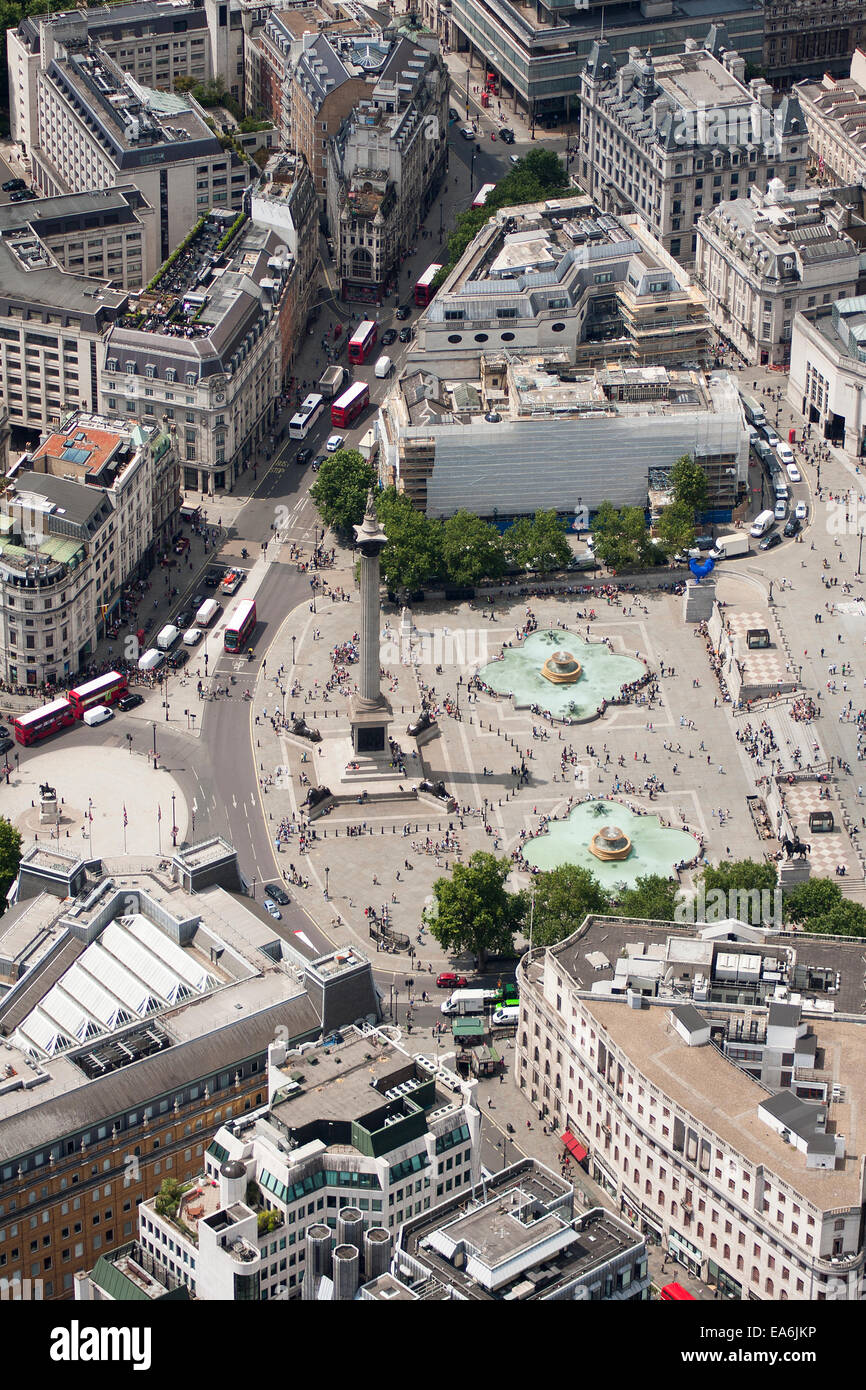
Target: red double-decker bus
(424,291)
(239,626)
(39,723)
(348,407)
(675,1293)
(362,341)
(104,690)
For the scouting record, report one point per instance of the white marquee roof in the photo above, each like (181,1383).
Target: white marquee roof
(131,972)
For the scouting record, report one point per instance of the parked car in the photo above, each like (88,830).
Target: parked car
(452,114)
(389,337)
(780,511)
(507,135)
(770,541)
(278,894)
(131,701)
(448,980)
(29,193)
(792,526)
(317,463)
(403,312)
(793,472)
(801,511)
(467,132)
(406,334)
(514,158)
(334,442)
(303,456)
(178,659)
(183,618)
(196,602)
(12,185)
(271,907)
(192,635)
(213,578)
(785,453)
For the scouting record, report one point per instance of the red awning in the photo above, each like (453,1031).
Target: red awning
(574,1148)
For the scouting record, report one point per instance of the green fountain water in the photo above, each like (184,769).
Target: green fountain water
(656,849)
(519,674)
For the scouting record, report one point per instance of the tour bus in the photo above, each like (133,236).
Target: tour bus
(346,408)
(104,690)
(675,1293)
(240,625)
(306,416)
(424,291)
(754,411)
(39,723)
(483,194)
(362,341)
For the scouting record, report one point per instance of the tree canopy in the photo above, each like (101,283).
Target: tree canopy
(414,550)
(562,898)
(622,540)
(538,543)
(653,896)
(10,858)
(473,910)
(689,484)
(676,527)
(340,490)
(471,549)
(818,905)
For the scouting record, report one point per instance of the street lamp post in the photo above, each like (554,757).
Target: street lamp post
(293,649)
(327,879)
(173,823)
(859,552)
(155,754)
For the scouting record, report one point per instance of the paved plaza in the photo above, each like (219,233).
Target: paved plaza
(95,787)
(672,753)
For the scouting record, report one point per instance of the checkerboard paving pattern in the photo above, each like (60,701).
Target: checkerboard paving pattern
(764,666)
(828,850)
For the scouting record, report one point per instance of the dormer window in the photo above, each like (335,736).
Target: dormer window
(150,371)
(130,369)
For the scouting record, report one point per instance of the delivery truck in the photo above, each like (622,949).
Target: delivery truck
(730,546)
(468,1001)
(331,381)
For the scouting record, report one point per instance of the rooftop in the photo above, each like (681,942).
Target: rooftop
(518,1239)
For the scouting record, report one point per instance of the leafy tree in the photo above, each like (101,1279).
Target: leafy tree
(622,540)
(168,1197)
(741,881)
(473,910)
(847,918)
(814,898)
(689,484)
(563,897)
(538,543)
(536,177)
(652,896)
(414,550)
(471,549)
(10,858)
(340,490)
(676,527)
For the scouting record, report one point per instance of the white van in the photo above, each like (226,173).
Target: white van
(151,659)
(506,1016)
(762,524)
(383,365)
(167,637)
(97,714)
(208,611)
